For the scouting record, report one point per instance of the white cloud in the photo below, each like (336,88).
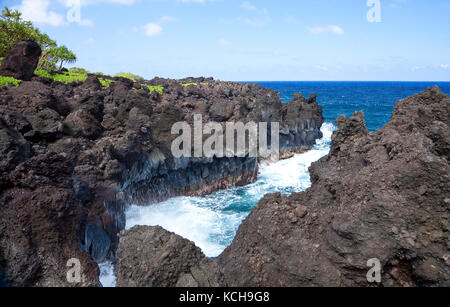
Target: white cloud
(152,29)
(327,29)
(224,42)
(37,11)
(445,66)
(155,28)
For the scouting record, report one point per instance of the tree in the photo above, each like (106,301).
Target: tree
(14,29)
(63,55)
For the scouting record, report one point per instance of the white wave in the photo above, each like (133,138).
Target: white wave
(107,277)
(211,222)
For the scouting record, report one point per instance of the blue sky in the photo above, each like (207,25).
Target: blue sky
(253,40)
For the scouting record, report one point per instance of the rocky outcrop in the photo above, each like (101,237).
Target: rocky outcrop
(118,141)
(383,195)
(21,61)
(154,257)
(40,222)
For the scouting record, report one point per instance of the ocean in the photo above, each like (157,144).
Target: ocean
(212,221)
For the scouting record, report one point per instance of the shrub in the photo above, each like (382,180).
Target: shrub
(78,70)
(153,88)
(14,29)
(66,77)
(8,81)
(106,82)
(189,84)
(130,76)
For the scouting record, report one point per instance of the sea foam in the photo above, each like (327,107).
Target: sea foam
(211,222)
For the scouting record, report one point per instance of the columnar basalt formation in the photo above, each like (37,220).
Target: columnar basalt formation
(117,140)
(382,196)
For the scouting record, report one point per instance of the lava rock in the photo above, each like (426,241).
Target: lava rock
(21,61)
(154,257)
(382,195)
(40,224)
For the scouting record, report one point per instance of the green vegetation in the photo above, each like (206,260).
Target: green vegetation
(106,82)
(8,81)
(74,75)
(78,70)
(14,29)
(153,88)
(66,77)
(1,60)
(189,84)
(130,76)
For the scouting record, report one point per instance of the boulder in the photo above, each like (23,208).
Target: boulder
(21,61)
(154,257)
(81,123)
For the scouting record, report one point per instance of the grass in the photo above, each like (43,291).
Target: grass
(189,84)
(8,81)
(70,77)
(153,88)
(106,82)
(130,76)
(66,77)
(74,76)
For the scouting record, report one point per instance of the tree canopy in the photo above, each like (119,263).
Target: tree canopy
(14,29)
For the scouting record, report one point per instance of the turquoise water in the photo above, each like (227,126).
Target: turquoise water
(212,221)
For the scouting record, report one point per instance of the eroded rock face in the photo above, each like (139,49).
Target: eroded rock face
(40,222)
(118,140)
(21,61)
(383,195)
(154,257)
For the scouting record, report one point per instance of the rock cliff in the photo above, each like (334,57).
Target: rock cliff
(382,195)
(112,144)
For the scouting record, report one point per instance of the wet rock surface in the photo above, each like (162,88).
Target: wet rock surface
(382,195)
(118,140)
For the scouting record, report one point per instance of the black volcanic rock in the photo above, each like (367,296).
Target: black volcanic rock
(40,222)
(154,257)
(383,195)
(118,142)
(21,61)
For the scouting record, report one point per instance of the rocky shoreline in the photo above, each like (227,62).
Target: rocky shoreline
(74,155)
(381,196)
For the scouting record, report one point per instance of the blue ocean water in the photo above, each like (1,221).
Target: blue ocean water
(376,99)
(212,221)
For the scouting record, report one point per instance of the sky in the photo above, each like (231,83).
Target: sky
(255,40)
